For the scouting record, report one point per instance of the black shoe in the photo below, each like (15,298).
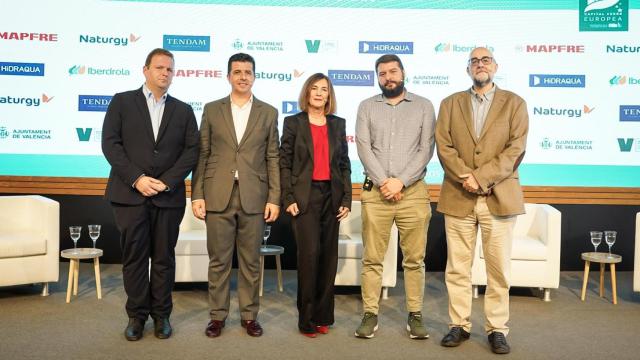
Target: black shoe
(498,343)
(455,337)
(162,328)
(134,329)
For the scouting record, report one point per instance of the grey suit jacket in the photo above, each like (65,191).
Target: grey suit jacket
(255,157)
(493,158)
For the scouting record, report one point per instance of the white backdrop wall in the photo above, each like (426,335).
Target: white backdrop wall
(585,132)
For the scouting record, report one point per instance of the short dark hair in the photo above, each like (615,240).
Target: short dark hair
(157,51)
(241,57)
(387,58)
(303,99)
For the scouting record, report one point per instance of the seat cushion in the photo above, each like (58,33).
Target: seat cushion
(13,244)
(526,248)
(192,242)
(350,246)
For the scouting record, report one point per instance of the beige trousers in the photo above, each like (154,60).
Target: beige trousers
(496,245)
(411,215)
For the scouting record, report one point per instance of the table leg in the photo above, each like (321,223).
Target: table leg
(261,274)
(602,266)
(76,273)
(96,270)
(70,281)
(612,267)
(279,268)
(586,279)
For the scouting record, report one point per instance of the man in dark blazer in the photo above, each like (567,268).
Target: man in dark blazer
(151,141)
(236,188)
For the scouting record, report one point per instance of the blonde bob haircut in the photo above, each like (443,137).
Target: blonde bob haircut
(303,100)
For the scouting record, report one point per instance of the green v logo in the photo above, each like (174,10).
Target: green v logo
(84,134)
(625,144)
(313,46)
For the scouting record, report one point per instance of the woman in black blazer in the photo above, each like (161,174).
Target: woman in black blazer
(315,175)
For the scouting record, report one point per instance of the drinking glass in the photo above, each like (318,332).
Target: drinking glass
(94,233)
(74,231)
(596,239)
(266,234)
(610,239)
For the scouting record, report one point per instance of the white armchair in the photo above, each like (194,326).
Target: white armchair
(350,251)
(636,263)
(29,241)
(535,253)
(192,259)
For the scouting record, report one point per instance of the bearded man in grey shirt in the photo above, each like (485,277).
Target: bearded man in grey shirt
(395,139)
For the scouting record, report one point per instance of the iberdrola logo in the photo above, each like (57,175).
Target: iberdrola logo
(77,70)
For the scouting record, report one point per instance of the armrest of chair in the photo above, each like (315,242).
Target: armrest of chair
(48,213)
(547,226)
(636,259)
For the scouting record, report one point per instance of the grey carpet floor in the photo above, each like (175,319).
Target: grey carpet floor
(35,327)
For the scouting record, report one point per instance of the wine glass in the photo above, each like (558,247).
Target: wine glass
(94,233)
(596,239)
(610,239)
(266,234)
(74,231)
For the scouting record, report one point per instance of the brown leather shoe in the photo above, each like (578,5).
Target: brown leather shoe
(214,328)
(253,327)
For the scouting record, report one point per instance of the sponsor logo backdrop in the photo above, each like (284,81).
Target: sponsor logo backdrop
(574,61)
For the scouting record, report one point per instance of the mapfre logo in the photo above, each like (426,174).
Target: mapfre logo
(26,36)
(551,48)
(199,73)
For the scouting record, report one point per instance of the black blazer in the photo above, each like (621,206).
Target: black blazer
(296,161)
(128,145)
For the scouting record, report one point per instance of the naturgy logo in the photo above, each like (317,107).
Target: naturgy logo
(11,100)
(108,40)
(564,112)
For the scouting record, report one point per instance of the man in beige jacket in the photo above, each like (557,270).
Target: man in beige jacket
(481,134)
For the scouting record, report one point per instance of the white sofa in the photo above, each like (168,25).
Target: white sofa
(350,252)
(29,241)
(192,259)
(535,253)
(636,259)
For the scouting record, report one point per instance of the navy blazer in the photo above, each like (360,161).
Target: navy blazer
(129,146)
(296,161)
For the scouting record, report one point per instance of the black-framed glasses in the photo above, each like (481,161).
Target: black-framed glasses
(486,60)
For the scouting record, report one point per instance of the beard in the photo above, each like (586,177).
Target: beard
(395,92)
(480,82)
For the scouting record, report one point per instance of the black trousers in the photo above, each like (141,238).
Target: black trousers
(316,233)
(148,232)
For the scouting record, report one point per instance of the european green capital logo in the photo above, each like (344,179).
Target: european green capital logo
(604,15)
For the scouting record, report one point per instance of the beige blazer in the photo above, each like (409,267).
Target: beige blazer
(255,156)
(493,158)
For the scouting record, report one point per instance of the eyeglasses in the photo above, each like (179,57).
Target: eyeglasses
(486,60)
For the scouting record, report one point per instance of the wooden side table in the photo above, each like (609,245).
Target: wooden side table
(603,259)
(267,250)
(74,256)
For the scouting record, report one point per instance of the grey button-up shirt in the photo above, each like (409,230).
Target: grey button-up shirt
(480,105)
(395,140)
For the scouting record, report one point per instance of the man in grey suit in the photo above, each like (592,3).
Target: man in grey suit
(235,189)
